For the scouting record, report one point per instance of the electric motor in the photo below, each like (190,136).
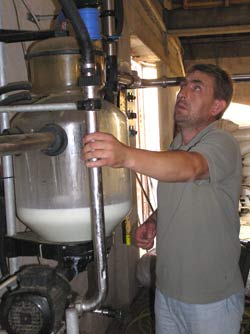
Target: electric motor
(37,305)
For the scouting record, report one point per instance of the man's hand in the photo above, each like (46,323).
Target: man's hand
(103,149)
(145,233)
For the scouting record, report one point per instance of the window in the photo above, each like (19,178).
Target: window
(147,125)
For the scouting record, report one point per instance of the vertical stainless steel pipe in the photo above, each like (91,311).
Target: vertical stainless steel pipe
(98,226)
(72,323)
(108,28)
(7,163)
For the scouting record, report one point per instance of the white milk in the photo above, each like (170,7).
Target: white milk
(70,225)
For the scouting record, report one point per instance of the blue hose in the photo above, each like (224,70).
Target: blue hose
(90,17)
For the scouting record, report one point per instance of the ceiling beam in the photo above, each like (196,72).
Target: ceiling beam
(226,46)
(209,31)
(188,4)
(208,21)
(214,3)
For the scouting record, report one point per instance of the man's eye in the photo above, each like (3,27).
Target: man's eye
(197,87)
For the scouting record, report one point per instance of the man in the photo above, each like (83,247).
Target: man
(199,288)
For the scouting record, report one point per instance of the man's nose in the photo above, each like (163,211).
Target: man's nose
(182,93)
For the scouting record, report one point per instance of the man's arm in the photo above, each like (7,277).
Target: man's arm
(167,166)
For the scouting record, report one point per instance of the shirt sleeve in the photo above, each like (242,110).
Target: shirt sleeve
(222,153)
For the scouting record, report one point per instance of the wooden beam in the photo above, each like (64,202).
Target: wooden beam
(144,25)
(209,31)
(216,46)
(156,11)
(215,3)
(221,20)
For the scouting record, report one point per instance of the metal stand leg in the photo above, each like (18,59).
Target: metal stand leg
(72,321)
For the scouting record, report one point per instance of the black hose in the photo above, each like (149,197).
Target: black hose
(14,98)
(88,3)
(119,14)
(111,78)
(19,85)
(14,36)
(82,35)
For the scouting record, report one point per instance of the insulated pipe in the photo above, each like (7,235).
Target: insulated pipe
(98,225)
(14,144)
(80,29)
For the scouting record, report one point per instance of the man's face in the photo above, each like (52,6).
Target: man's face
(195,101)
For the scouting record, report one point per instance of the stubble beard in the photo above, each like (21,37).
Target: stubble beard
(189,121)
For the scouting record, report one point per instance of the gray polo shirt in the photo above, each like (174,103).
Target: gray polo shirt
(198,245)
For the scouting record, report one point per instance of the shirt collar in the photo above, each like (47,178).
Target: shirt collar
(177,142)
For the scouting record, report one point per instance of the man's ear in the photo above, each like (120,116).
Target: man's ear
(218,107)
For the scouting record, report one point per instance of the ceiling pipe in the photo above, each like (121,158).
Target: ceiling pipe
(240,77)
(132,81)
